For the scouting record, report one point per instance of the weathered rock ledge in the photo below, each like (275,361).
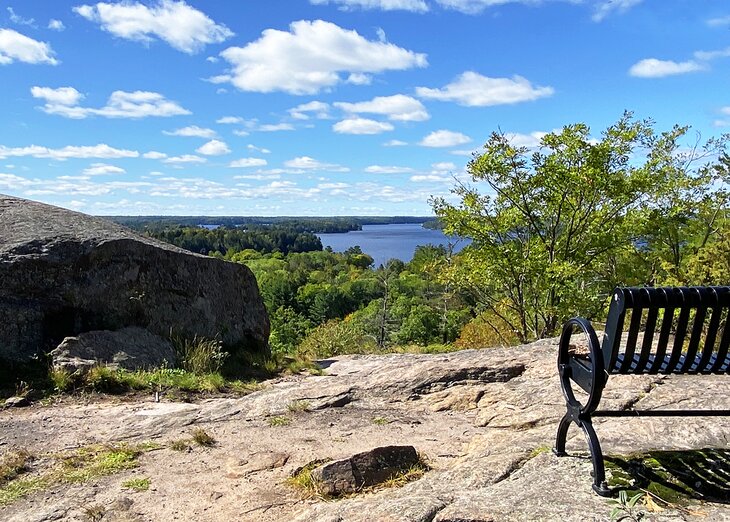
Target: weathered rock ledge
(484,419)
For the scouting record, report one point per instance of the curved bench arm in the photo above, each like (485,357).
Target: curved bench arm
(567,365)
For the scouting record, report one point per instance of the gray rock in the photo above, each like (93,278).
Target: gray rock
(131,348)
(16,402)
(63,273)
(368,468)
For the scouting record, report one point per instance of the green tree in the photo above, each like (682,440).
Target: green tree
(552,223)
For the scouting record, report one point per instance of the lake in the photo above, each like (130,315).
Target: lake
(384,242)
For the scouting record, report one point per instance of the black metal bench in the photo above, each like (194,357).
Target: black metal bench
(693,338)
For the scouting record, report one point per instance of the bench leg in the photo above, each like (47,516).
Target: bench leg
(560,438)
(599,471)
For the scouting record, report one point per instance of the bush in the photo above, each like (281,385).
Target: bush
(199,355)
(335,338)
(485,331)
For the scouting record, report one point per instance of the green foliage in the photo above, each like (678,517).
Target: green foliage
(137,484)
(335,338)
(12,464)
(227,241)
(486,330)
(61,379)
(568,222)
(198,355)
(76,466)
(104,379)
(279,420)
(625,507)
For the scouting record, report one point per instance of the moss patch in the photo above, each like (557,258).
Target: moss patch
(76,466)
(676,477)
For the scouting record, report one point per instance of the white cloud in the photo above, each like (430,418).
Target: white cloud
(395,143)
(185,158)
(443,166)
(307,163)
(382,169)
(462,152)
(310,57)
(653,68)
(420,178)
(719,22)
(712,55)
(183,27)
(248,162)
(398,107)
(607,7)
(153,154)
(416,6)
(13,182)
(262,150)
(97,169)
(17,19)
(18,47)
(270,127)
(61,96)
(530,141)
(241,133)
(444,138)
(227,120)
(361,126)
(213,148)
(359,78)
(318,108)
(474,90)
(56,25)
(101,150)
(192,131)
(64,101)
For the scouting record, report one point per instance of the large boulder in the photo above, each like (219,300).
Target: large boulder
(63,273)
(130,348)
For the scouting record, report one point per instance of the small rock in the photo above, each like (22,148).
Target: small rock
(16,402)
(364,469)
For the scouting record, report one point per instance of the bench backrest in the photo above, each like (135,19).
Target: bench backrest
(682,330)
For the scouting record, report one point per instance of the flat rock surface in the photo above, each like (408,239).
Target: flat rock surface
(485,421)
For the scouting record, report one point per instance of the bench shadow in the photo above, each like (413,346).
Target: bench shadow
(675,476)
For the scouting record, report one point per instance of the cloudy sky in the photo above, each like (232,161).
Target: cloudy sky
(327,107)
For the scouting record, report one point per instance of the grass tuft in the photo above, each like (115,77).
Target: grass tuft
(76,466)
(12,464)
(202,438)
(180,445)
(138,484)
(303,480)
(297,406)
(199,355)
(279,420)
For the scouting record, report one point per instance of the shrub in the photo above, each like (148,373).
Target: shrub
(199,355)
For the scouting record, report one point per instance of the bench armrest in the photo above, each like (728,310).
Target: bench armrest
(588,374)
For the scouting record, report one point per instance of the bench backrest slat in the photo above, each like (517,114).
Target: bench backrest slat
(647,342)
(690,358)
(723,349)
(696,317)
(664,333)
(711,338)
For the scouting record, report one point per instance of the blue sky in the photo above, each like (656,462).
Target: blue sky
(327,107)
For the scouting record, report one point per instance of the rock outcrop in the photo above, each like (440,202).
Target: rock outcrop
(130,348)
(63,273)
(484,421)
